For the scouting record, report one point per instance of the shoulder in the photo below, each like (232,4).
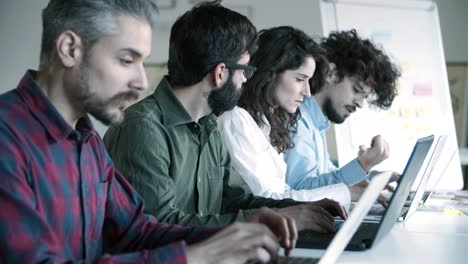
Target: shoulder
(138,128)
(146,109)
(237,117)
(11,106)
(15,131)
(15,119)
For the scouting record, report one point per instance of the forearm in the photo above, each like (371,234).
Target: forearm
(177,216)
(337,192)
(174,253)
(249,202)
(349,174)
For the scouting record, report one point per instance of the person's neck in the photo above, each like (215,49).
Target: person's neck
(194,98)
(320,98)
(52,85)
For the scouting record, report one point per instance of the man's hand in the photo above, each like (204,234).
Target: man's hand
(358,189)
(378,152)
(237,243)
(284,227)
(333,207)
(317,216)
(394,178)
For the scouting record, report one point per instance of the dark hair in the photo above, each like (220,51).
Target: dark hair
(204,36)
(360,58)
(279,49)
(90,19)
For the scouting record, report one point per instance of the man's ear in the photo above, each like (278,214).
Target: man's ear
(69,48)
(219,75)
(332,74)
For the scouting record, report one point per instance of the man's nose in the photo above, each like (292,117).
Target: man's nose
(140,81)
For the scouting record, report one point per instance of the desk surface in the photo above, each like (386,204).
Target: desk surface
(427,237)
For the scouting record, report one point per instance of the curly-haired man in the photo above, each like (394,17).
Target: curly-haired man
(358,71)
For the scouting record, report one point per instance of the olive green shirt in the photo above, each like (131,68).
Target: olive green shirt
(179,166)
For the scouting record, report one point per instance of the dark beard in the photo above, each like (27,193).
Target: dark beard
(224,98)
(331,113)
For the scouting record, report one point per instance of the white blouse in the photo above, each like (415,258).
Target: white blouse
(261,166)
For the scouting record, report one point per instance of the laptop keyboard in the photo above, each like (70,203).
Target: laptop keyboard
(311,239)
(298,260)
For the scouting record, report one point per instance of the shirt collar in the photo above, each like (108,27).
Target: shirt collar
(312,108)
(176,114)
(46,113)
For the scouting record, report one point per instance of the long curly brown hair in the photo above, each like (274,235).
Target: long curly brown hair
(279,49)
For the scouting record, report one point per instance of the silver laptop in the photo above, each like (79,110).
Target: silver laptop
(370,232)
(426,162)
(421,195)
(350,226)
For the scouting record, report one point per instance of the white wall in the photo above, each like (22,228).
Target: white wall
(20,29)
(20,38)
(304,14)
(454,27)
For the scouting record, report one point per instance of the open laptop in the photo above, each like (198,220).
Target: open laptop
(349,227)
(421,195)
(427,194)
(415,198)
(371,232)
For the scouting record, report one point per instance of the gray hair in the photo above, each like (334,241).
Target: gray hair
(90,19)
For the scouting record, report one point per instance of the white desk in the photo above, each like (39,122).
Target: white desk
(427,237)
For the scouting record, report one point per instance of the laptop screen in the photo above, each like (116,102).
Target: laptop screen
(410,173)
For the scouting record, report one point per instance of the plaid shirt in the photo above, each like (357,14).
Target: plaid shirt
(61,197)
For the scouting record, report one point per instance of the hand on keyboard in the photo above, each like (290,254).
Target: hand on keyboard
(317,216)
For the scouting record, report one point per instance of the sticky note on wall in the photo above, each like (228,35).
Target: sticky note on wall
(422,89)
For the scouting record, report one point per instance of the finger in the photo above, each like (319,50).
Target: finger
(346,212)
(377,139)
(362,150)
(382,200)
(323,210)
(324,219)
(276,222)
(261,236)
(390,188)
(341,211)
(387,148)
(336,209)
(275,259)
(293,235)
(283,232)
(253,255)
(395,177)
(325,224)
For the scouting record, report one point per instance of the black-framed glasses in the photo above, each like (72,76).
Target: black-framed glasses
(247,69)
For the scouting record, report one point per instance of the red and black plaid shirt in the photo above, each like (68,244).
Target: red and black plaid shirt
(61,198)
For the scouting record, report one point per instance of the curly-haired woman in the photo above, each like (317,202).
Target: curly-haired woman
(290,67)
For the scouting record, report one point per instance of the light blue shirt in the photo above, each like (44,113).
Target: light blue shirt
(309,164)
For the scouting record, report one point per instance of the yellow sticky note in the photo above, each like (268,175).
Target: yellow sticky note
(454,212)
